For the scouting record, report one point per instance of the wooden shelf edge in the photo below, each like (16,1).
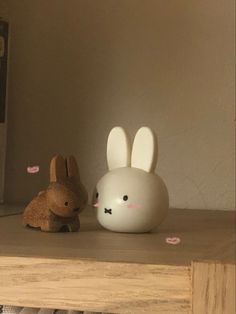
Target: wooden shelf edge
(213,287)
(94,286)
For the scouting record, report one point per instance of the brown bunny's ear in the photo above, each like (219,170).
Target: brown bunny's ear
(72,167)
(58,169)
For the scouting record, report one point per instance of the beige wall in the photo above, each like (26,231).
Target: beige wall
(3,9)
(79,67)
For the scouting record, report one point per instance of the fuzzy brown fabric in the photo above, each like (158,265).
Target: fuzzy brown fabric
(56,209)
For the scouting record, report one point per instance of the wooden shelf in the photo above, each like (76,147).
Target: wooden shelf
(98,270)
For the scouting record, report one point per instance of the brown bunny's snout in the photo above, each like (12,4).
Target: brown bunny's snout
(62,201)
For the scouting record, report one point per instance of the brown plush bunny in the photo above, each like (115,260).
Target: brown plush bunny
(57,208)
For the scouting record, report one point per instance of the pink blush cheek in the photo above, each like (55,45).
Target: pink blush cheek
(96,205)
(133,206)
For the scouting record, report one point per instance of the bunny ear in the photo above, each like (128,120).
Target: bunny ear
(57,169)
(118,149)
(144,152)
(72,167)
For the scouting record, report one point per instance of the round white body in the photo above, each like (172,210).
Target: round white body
(131,200)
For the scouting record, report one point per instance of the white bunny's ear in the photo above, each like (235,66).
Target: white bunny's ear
(144,152)
(118,149)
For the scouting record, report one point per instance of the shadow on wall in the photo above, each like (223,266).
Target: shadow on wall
(80,67)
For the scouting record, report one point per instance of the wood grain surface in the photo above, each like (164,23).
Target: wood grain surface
(97,270)
(94,286)
(206,235)
(213,288)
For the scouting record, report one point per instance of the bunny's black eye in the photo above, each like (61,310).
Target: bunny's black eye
(97,194)
(66,203)
(125,197)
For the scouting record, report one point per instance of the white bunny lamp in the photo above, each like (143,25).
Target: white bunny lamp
(131,197)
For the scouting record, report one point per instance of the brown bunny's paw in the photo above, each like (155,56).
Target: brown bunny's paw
(61,226)
(74,225)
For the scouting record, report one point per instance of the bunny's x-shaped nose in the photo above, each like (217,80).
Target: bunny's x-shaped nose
(108,211)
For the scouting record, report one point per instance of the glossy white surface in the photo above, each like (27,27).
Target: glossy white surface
(118,149)
(131,199)
(146,192)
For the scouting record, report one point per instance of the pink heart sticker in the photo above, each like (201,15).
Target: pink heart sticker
(133,206)
(33,169)
(173,240)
